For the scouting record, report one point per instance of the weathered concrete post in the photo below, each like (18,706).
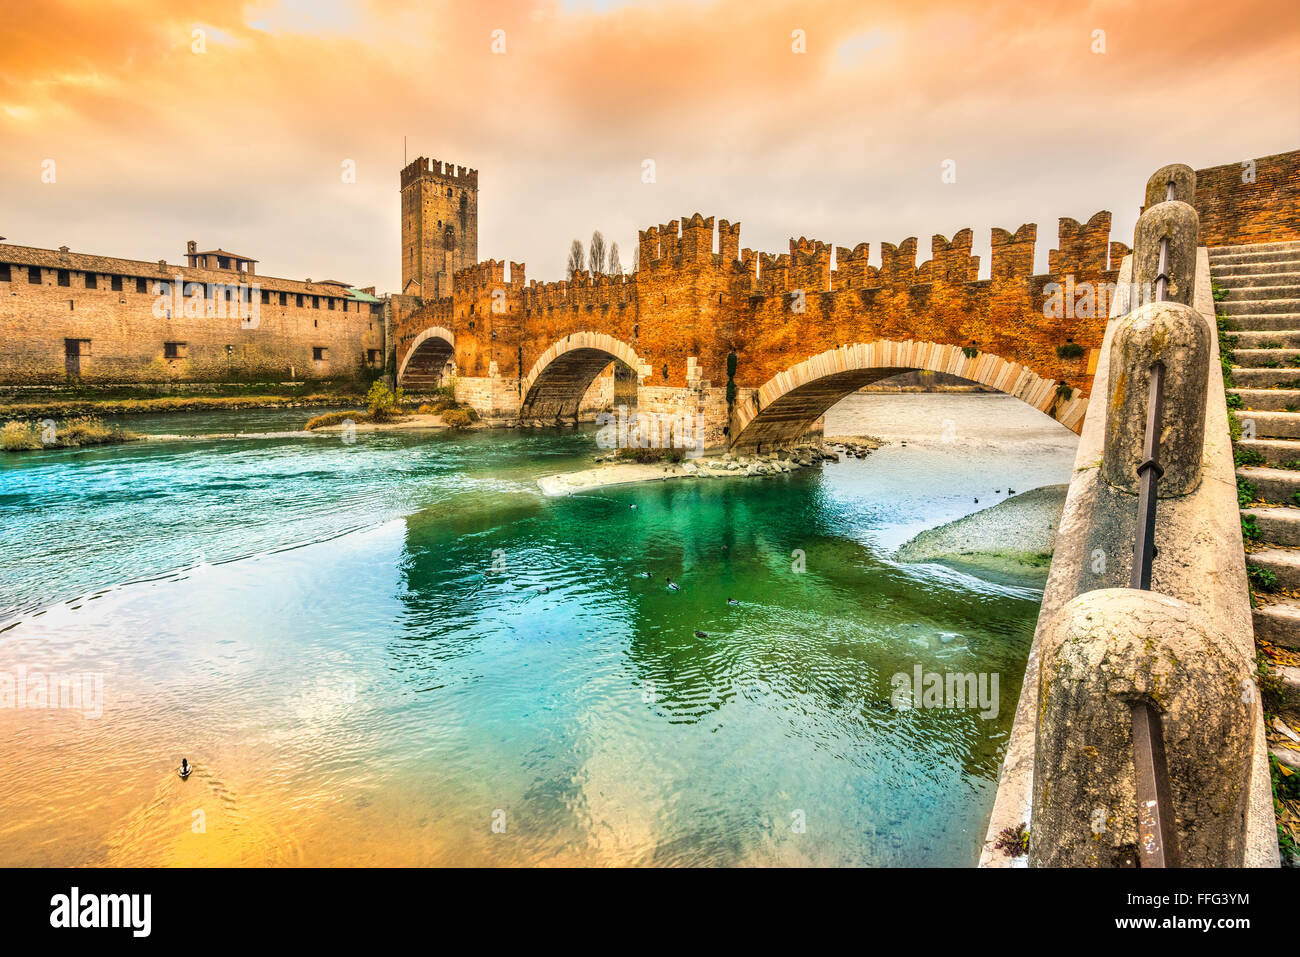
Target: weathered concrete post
(1102,653)
(1167,331)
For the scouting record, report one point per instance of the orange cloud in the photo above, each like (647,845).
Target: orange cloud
(241,145)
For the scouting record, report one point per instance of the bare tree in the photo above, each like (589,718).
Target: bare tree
(615,267)
(596,253)
(575,258)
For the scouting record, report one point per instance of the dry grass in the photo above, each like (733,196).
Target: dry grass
(27,436)
(334,418)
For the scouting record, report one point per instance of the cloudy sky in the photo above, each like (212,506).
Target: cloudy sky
(242,144)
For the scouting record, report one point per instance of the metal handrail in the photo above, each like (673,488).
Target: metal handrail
(1157,838)
(1157,835)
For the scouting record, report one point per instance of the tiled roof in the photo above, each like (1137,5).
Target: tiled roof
(112,266)
(222,252)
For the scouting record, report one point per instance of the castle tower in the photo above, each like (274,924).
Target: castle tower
(439,225)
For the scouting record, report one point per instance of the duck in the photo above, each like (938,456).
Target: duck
(185,768)
(543,589)
(642,574)
(700,634)
(732,601)
(633,505)
(977,501)
(1011,491)
(672,585)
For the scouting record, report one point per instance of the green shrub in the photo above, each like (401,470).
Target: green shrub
(1234,401)
(1261,578)
(1245,457)
(1071,350)
(1249,530)
(970,352)
(383,405)
(1245,492)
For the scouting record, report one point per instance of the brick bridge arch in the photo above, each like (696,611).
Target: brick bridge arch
(428,355)
(560,377)
(786,406)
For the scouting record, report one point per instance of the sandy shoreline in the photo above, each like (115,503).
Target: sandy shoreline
(1014,537)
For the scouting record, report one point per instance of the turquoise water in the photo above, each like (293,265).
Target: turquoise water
(398,651)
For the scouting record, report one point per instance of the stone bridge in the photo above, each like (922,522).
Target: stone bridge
(806,328)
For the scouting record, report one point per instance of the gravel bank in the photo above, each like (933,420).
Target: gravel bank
(1014,537)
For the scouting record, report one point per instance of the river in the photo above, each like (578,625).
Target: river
(397,651)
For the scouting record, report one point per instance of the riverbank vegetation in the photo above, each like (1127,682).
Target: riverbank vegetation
(32,436)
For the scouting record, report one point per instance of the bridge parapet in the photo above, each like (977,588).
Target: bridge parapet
(1138,738)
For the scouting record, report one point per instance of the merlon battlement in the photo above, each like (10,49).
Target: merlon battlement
(424,168)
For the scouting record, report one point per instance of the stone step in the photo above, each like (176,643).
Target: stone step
(1284,563)
(1275,358)
(1230,278)
(1234,272)
(1284,244)
(1257,293)
(1272,485)
(1275,451)
(1256,322)
(1251,258)
(1268,339)
(1265,378)
(1268,425)
(1277,526)
(1288,683)
(1278,623)
(1257,307)
(1288,756)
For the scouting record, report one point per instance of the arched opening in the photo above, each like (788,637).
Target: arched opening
(559,379)
(788,405)
(426,363)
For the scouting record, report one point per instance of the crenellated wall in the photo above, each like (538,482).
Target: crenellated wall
(699,295)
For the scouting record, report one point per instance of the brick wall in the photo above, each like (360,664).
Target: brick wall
(125,342)
(1236,211)
(688,300)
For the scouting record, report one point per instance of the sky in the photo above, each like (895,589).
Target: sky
(127,129)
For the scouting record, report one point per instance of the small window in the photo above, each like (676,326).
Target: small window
(173,350)
(92,281)
(116,283)
(315,302)
(141,285)
(266,297)
(34,275)
(372,356)
(4,273)
(223,262)
(300,301)
(65,278)
(315,323)
(331,302)
(76,348)
(318,353)
(284,299)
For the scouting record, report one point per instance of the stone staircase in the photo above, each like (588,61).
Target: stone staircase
(1262,307)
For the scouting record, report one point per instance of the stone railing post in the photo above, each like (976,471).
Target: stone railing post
(1102,654)
(1161,328)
